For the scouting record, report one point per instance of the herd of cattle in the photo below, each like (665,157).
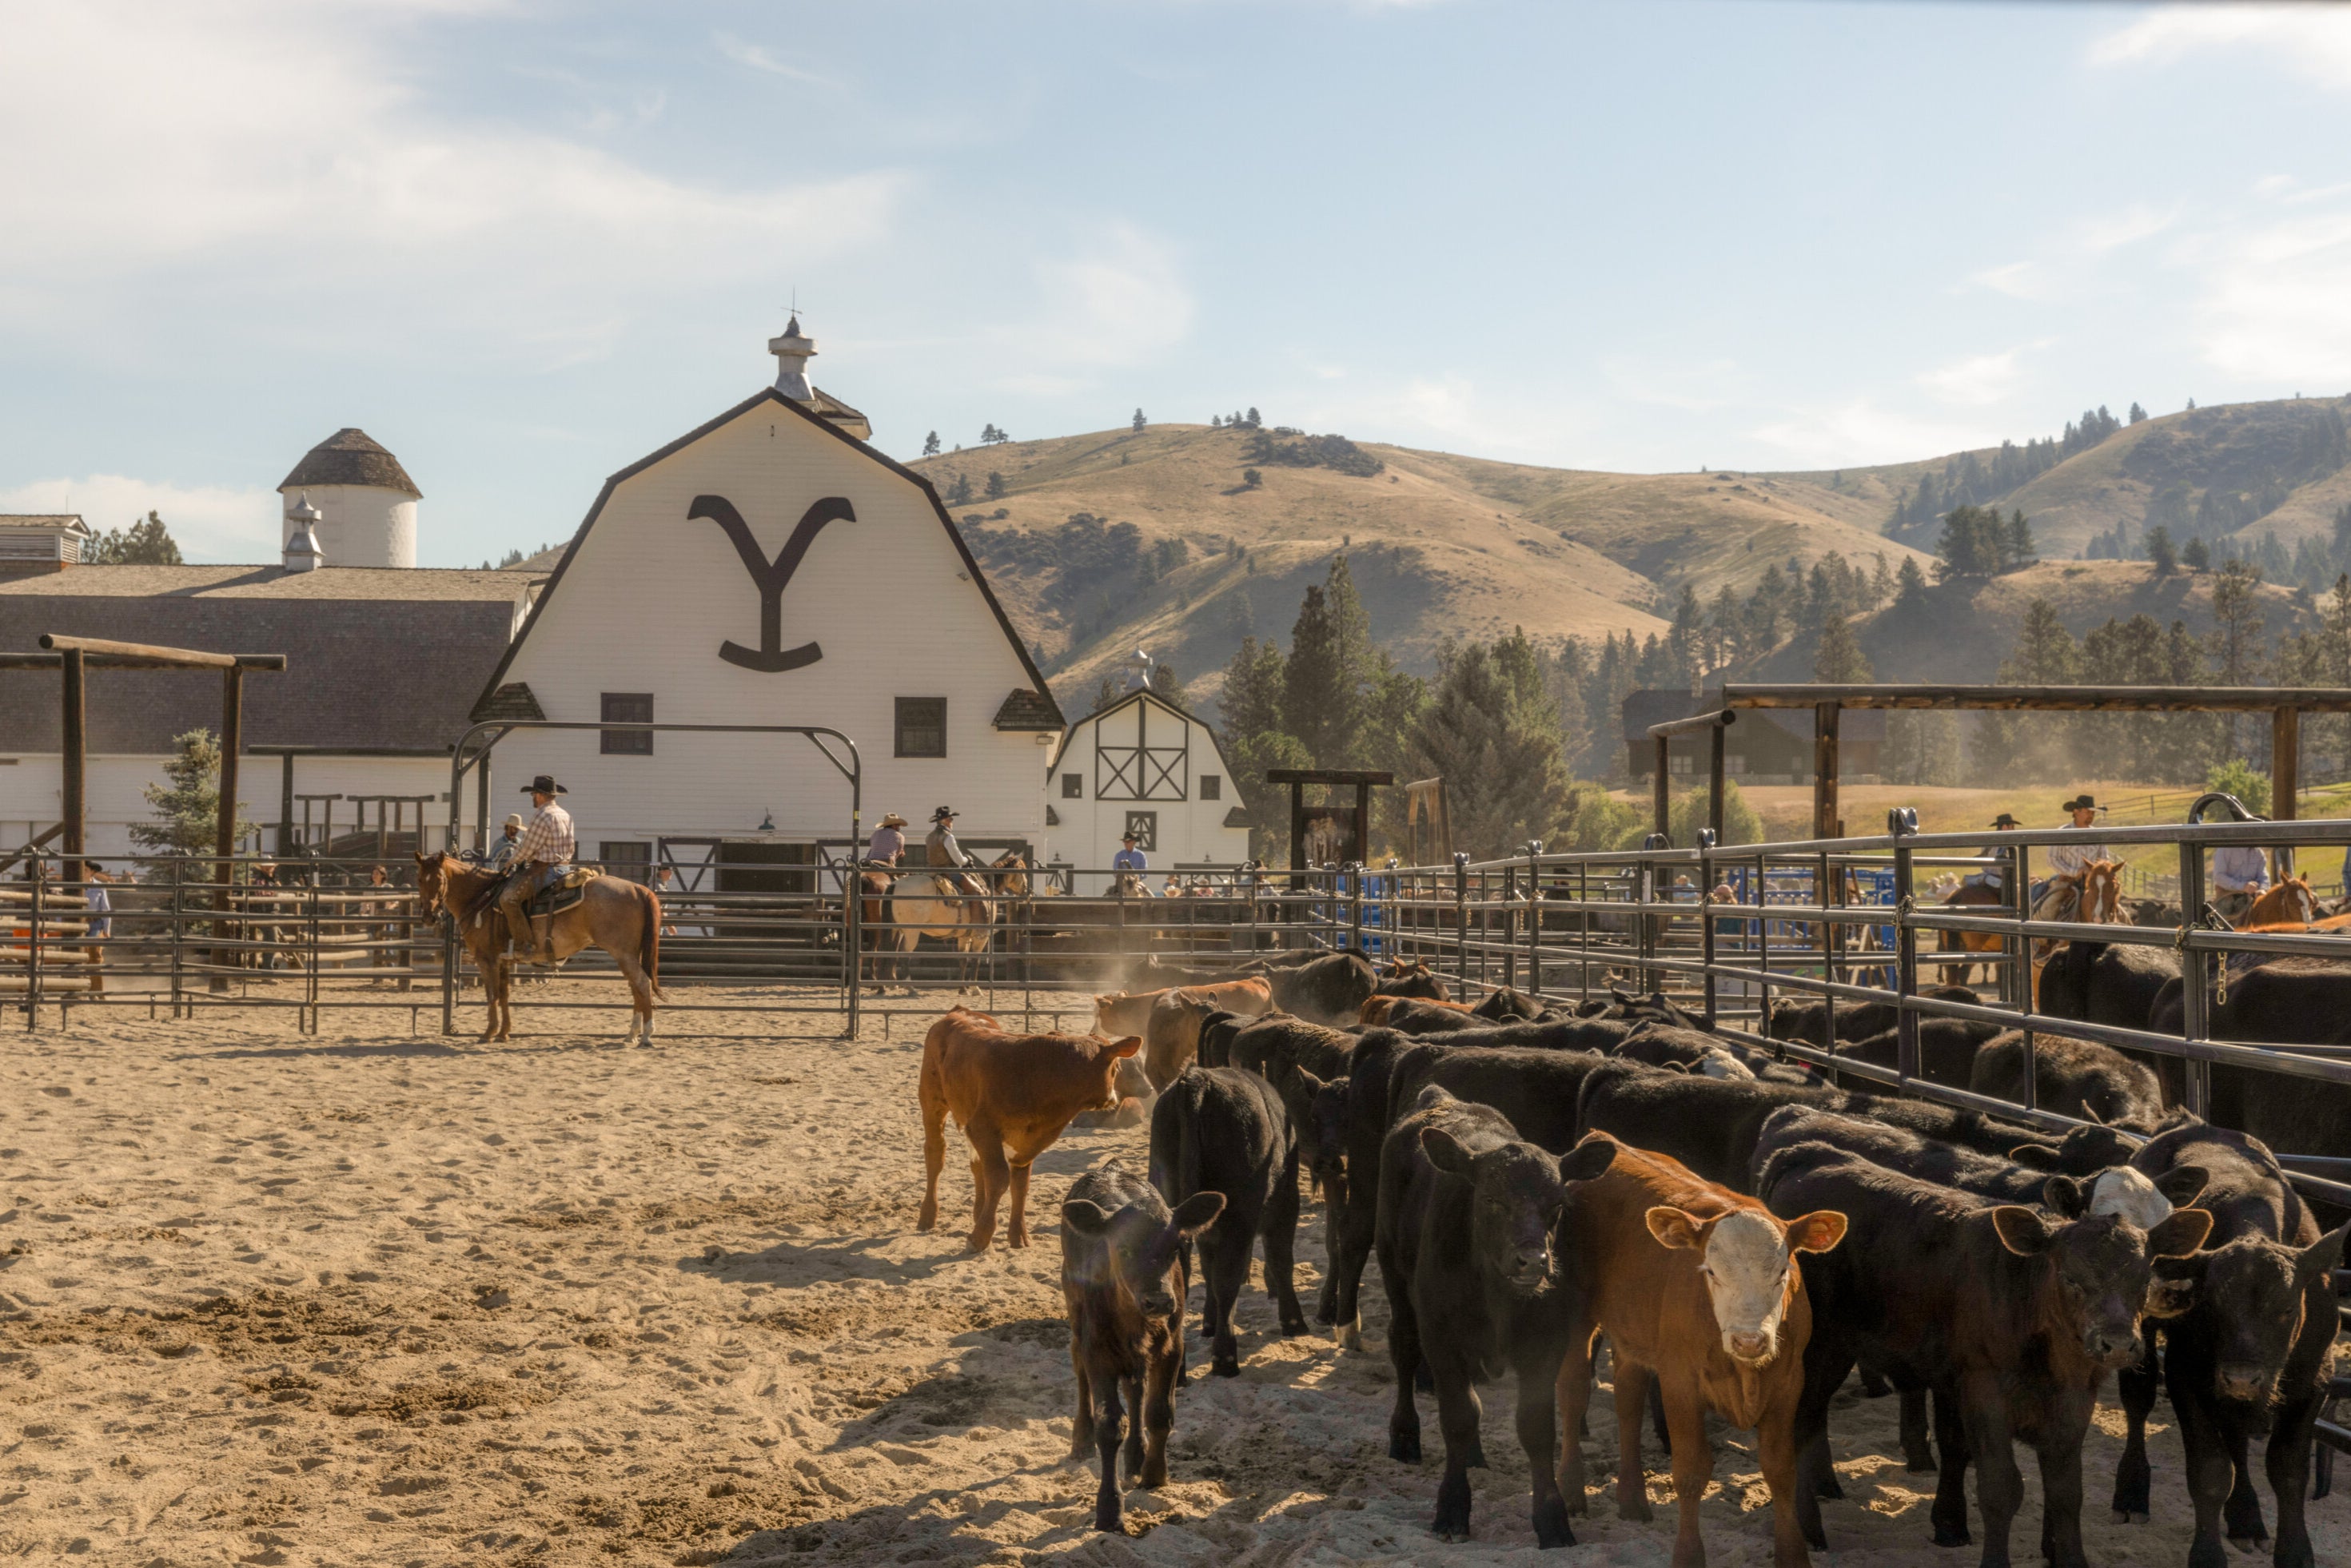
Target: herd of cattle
(1742,1231)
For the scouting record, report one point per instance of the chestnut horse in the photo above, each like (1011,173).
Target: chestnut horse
(2291,902)
(2093,898)
(621,917)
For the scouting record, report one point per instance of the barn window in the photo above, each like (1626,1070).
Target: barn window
(627,708)
(1144,825)
(1212,787)
(922,726)
(1073,786)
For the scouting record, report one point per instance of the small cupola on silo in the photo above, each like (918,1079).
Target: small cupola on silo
(303,553)
(366,503)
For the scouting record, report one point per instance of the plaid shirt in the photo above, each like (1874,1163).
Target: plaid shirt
(549,839)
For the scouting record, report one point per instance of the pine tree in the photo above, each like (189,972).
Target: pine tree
(1358,661)
(1839,658)
(1253,420)
(1909,584)
(1170,685)
(1881,582)
(931,444)
(1685,640)
(2137,413)
(1139,422)
(1254,683)
(960,492)
(1497,753)
(2196,555)
(1216,421)
(187,810)
(1106,693)
(995,485)
(2160,551)
(146,543)
(1313,698)
(2020,551)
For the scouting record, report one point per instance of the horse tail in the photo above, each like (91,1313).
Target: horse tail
(648,940)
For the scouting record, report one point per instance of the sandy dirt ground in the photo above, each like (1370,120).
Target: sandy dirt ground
(372,1297)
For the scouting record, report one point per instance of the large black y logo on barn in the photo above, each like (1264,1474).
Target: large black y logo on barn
(772,577)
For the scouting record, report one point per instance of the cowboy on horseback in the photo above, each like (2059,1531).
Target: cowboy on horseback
(940,850)
(2073,859)
(2240,874)
(540,856)
(1992,875)
(888,845)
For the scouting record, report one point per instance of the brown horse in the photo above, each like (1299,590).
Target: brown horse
(2094,896)
(621,917)
(2291,902)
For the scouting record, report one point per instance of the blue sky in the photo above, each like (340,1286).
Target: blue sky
(524,244)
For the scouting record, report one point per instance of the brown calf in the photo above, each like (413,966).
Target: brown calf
(1696,1285)
(1376,1009)
(1171,1036)
(1130,1013)
(1012,1094)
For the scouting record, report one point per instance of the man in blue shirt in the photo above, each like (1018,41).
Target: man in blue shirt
(1129,859)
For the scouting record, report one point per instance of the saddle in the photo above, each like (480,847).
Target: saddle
(566,889)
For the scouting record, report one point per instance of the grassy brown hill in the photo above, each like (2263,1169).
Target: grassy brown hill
(1962,630)
(1440,547)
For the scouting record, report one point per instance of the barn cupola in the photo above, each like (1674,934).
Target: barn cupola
(303,553)
(793,350)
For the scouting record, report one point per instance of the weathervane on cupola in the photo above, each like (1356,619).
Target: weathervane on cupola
(793,350)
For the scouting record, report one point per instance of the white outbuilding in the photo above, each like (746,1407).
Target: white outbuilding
(1141,764)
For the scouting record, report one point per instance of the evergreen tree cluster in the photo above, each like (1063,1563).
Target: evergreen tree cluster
(991,436)
(146,543)
(1335,453)
(1966,480)
(1976,542)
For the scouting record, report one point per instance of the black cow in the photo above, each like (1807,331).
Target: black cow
(2011,1319)
(1467,1217)
(1710,1124)
(1946,1049)
(1536,1089)
(2106,983)
(1800,1021)
(2077,1078)
(2287,1000)
(1331,989)
(1220,1129)
(1123,1278)
(1411,1017)
(1420,981)
(2250,1355)
(1663,1046)
(1365,1104)
(1506,1005)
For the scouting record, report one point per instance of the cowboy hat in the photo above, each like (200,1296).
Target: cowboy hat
(2006,819)
(1129,836)
(2081,803)
(942,814)
(891,819)
(514,819)
(544,784)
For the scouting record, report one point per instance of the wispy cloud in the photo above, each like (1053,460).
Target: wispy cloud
(1978,380)
(274,154)
(210,523)
(1117,298)
(1862,431)
(2311,41)
(2276,303)
(759,57)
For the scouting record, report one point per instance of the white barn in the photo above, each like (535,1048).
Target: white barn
(772,569)
(1140,762)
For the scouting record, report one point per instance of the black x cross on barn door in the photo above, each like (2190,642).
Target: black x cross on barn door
(771,578)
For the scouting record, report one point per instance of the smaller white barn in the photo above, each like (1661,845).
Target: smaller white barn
(1142,764)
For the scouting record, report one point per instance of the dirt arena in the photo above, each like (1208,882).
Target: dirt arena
(369,1297)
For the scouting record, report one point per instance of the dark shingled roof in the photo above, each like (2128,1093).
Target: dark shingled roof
(366,670)
(1238,817)
(515,701)
(1029,710)
(348,457)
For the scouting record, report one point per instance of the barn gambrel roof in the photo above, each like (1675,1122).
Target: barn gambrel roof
(1069,738)
(766,398)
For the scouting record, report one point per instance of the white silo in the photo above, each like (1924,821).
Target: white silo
(365,500)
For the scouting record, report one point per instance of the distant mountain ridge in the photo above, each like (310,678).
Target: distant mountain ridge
(1185,538)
